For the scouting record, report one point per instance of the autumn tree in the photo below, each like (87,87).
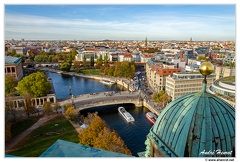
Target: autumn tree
(10,84)
(99,135)
(47,108)
(161,97)
(56,106)
(71,113)
(35,84)
(76,66)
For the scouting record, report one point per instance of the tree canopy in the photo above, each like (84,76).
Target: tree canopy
(99,135)
(10,84)
(35,84)
(121,69)
(161,97)
(65,66)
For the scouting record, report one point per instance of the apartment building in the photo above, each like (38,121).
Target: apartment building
(156,74)
(185,82)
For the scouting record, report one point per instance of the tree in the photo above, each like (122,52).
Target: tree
(35,84)
(70,113)
(28,104)
(232,65)
(84,61)
(99,135)
(47,108)
(65,66)
(99,62)
(76,66)
(105,61)
(10,84)
(57,106)
(161,97)
(11,52)
(92,61)
(201,58)
(10,111)
(50,58)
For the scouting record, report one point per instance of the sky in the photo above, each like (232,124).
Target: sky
(201,22)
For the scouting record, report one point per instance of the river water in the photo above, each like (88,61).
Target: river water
(133,134)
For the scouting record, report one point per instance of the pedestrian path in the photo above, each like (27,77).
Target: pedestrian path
(14,141)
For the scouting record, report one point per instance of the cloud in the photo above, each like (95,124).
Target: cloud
(168,24)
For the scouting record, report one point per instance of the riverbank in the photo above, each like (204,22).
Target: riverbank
(126,83)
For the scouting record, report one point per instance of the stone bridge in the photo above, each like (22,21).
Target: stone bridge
(108,98)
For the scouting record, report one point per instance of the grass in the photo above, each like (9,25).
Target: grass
(36,142)
(18,127)
(91,71)
(228,79)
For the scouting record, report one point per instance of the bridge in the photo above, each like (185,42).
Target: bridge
(108,98)
(102,99)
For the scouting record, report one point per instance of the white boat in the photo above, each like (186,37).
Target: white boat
(107,82)
(151,117)
(126,114)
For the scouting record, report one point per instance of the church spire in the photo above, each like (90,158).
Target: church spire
(146,42)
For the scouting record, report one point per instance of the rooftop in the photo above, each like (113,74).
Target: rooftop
(12,60)
(63,148)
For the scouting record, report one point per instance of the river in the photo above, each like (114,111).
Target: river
(133,134)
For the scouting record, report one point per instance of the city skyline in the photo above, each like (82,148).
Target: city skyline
(120,22)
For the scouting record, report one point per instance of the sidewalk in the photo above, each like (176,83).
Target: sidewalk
(14,141)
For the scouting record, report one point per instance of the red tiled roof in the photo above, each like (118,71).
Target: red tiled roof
(128,55)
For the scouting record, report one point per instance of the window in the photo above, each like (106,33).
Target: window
(13,69)
(8,69)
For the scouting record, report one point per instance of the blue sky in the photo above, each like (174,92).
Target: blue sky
(120,22)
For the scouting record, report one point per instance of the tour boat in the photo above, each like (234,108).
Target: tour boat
(107,82)
(151,117)
(126,114)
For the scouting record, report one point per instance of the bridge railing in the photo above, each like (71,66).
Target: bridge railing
(108,102)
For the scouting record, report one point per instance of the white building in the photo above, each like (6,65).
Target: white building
(88,54)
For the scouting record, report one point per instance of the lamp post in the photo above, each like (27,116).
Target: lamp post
(71,95)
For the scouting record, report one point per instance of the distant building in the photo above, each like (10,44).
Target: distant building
(128,57)
(157,73)
(192,68)
(229,58)
(88,54)
(19,50)
(146,56)
(13,67)
(183,83)
(224,71)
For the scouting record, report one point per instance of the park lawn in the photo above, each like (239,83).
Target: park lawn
(18,127)
(37,142)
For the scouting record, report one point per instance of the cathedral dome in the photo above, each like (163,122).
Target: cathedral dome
(195,124)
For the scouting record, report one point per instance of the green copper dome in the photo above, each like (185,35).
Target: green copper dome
(196,124)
